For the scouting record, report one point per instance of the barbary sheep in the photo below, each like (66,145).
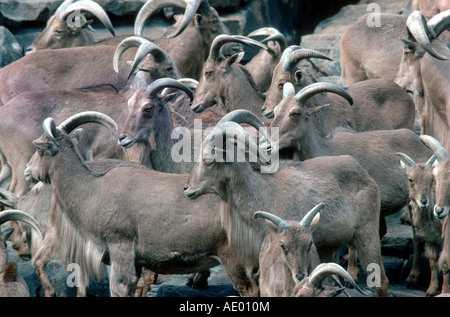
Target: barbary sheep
(288,253)
(65,29)
(441,174)
(427,229)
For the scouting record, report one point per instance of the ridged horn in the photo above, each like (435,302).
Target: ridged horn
(309,91)
(50,130)
(243,116)
(323,270)
(152,6)
(440,22)
(277,221)
(162,83)
(272,35)
(288,90)
(229,129)
(408,161)
(78,119)
(431,160)
(189,82)
(91,7)
(307,219)
(14,214)
(145,47)
(220,40)
(418,27)
(440,152)
(297,55)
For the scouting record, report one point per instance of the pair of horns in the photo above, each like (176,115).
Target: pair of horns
(144,46)
(410,162)
(221,40)
(283,225)
(73,122)
(162,83)
(313,89)
(151,6)
(69,6)
(294,54)
(424,32)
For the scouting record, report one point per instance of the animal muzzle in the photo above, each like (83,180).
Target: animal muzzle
(440,212)
(125,142)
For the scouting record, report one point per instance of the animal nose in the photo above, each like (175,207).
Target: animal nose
(424,202)
(122,137)
(186,187)
(300,277)
(438,211)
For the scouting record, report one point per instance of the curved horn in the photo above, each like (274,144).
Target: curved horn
(220,40)
(62,7)
(288,90)
(242,116)
(307,219)
(440,22)
(409,161)
(441,153)
(296,56)
(78,119)
(11,199)
(50,130)
(277,221)
(189,82)
(303,95)
(162,83)
(91,7)
(13,214)
(231,129)
(152,6)
(145,47)
(272,35)
(323,270)
(417,26)
(431,160)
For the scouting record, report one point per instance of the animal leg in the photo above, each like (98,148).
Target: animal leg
(434,278)
(199,280)
(42,257)
(123,278)
(413,277)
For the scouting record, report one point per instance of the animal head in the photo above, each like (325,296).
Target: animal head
(441,173)
(149,58)
(219,73)
(420,180)
(420,42)
(286,71)
(56,141)
(68,27)
(292,115)
(148,112)
(227,153)
(295,240)
(206,21)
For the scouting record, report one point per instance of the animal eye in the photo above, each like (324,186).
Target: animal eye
(147,110)
(207,74)
(58,31)
(283,247)
(295,114)
(169,69)
(215,22)
(410,180)
(281,85)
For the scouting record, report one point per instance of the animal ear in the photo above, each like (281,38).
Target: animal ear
(6,233)
(298,75)
(198,20)
(46,146)
(139,81)
(314,110)
(236,58)
(409,45)
(78,134)
(86,23)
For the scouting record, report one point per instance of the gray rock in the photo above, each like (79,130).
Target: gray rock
(10,49)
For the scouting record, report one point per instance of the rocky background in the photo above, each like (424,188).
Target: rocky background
(316,24)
